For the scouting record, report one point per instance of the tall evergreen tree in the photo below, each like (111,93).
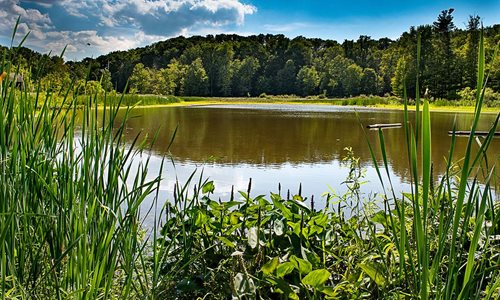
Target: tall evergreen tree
(472,51)
(444,68)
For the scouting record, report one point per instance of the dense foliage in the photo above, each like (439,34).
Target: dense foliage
(231,65)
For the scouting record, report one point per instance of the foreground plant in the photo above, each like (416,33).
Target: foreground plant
(263,247)
(70,198)
(444,245)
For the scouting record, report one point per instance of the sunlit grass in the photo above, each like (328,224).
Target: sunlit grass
(69,209)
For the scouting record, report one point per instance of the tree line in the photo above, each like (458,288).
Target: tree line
(229,65)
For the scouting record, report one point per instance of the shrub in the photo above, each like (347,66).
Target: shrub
(468,97)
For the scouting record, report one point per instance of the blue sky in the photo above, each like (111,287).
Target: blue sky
(95,27)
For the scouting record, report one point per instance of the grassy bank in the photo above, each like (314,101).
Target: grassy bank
(70,226)
(137,100)
(371,102)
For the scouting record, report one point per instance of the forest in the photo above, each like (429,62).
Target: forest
(237,66)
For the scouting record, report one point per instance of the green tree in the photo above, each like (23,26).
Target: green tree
(406,64)
(368,83)
(196,80)
(224,74)
(363,52)
(447,63)
(471,51)
(286,78)
(56,83)
(388,65)
(404,77)
(299,51)
(352,80)
(334,73)
(90,87)
(244,75)
(443,64)
(174,75)
(307,80)
(140,79)
(106,83)
(191,54)
(158,82)
(494,71)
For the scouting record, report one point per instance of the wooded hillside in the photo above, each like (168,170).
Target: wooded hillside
(232,65)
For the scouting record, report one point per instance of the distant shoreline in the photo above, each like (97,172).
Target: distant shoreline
(348,102)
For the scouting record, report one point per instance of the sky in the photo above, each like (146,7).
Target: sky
(89,28)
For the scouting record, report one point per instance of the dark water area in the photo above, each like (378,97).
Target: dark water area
(288,144)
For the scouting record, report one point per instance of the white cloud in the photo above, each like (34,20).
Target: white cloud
(31,20)
(42,3)
(160,17)
(89,43)
(115,25)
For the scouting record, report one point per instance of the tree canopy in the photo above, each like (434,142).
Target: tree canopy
(232,65)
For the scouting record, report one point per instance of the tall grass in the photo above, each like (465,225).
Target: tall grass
(130,99)
(445,231)
(69,210)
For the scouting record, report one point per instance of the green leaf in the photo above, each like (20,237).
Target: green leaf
(284,210)
(283,287)
(252,237)
(201,218)
(284,269)
(307,231)
(269,267)
(320,220)
(226,241)
(380,218)
(244,195)
(295,227)
(316,278)
(328,290)
(374,272)
(311,256)
(300,264)
(234,217)
(214,205)
(230,204)
(208,187)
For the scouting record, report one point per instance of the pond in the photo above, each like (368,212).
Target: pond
(288,145)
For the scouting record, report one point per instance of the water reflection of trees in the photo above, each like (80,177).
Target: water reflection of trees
(271,137)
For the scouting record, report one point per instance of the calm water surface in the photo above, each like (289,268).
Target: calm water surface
(287,144)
